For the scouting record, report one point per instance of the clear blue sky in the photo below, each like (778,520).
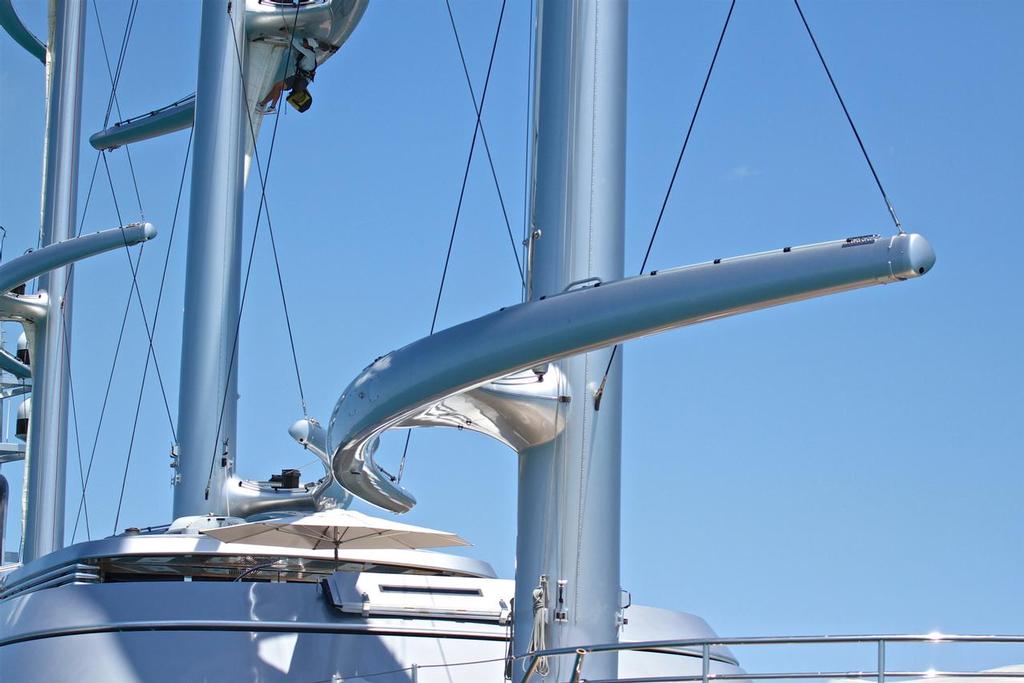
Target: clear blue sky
(843,465)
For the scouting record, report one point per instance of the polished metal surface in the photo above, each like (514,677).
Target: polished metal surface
(268,29)
(174,117)
(209,363)
(409,381)
(58,254)
(569,487)
(520,410)
(11,22)
(8,363)
(330,22)
(46,460)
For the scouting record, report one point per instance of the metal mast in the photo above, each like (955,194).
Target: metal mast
(569,488)
(209,379)
(46,461)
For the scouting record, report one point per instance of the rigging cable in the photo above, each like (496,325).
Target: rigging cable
(151,352)
(262,209)
(842,103)
(477,129)
(133,264)
(110,379)
(527,146)
(115,79)
(483,133)
(668,193)
(84,475)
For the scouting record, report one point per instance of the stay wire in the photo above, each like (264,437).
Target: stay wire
(261,209)
(115,79)
(151,352)
(668,192)
(527,141)
(849,119)
(134,267)
(136,292)
(270,225)
(477,129)
(74,411)
(483,133)
(82,503)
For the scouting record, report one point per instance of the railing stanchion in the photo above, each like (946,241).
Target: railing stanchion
(881,661)
(577,666)
(705,664)
(534,661)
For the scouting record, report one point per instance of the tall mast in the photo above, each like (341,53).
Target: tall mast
(209,378)
(569,488)
(46,459)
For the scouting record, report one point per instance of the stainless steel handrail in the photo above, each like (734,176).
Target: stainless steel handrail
(704,645)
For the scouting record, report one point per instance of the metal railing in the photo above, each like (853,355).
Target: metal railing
(880,674)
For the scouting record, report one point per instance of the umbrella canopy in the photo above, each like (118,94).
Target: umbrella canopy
(336,529)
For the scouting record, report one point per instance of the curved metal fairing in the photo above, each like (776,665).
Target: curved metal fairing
(329,22)
(270,27)
(12,23)
(433,379)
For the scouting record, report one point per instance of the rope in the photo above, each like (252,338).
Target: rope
(261,209)
(849,119)
(483,134)
(539,635)
(477,129)
(668,192)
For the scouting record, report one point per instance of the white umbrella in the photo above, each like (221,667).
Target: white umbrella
(336,529)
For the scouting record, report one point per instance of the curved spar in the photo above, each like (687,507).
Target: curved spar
(405,387)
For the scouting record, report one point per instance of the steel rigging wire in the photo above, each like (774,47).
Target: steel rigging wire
(483,133)
(849,119)
(842,103)
(150,353)
(671,183)
(112,102)
(478,128)
(83,479)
